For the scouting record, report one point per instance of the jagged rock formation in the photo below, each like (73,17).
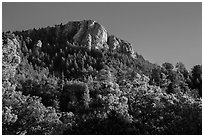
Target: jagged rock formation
(93,35)
(120,45)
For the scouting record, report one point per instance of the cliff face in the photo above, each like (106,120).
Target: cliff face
(120,45)
(93,35)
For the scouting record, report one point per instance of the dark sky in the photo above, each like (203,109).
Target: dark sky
(161,32)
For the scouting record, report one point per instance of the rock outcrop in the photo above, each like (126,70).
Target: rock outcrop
(93,35)
(120,45)
(113,42)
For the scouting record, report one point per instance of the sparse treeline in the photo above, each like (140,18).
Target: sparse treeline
(60,87)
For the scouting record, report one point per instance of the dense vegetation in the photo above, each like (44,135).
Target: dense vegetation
(54,86)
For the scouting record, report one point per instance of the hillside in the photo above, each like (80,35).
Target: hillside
(76,78)
(80,37)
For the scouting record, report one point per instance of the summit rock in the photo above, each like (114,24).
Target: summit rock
(93,35)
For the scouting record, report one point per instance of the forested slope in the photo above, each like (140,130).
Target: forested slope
(76,78)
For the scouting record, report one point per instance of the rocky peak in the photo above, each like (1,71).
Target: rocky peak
(92,34)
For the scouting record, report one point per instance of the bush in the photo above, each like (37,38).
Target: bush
(74,97)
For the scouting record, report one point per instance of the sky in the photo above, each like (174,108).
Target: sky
(160,32)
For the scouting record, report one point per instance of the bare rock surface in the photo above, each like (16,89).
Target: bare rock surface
(93,35)
(120,45)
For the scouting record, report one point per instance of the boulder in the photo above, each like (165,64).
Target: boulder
(39,44)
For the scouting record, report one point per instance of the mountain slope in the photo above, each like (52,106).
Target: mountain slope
(87,35)
(77,79)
